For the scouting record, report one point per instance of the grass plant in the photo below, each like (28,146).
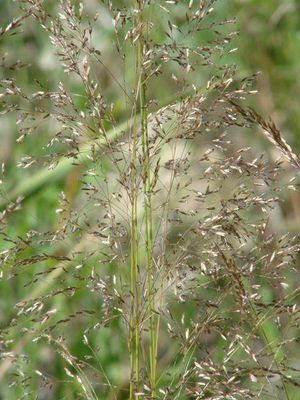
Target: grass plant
(164,275)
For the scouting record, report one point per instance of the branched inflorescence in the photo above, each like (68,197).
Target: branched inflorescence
(165,275)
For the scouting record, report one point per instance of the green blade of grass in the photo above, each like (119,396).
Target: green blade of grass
(47,176)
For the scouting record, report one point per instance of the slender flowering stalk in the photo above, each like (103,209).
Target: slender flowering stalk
(148,219)
(135,324)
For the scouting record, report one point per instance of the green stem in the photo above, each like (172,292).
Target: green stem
(146,177)
(134,276)
(134,338)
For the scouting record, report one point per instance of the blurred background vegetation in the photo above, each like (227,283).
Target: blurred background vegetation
(268,41)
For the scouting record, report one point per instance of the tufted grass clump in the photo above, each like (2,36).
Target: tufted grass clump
(167,271)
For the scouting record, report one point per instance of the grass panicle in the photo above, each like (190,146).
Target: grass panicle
(161,266)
